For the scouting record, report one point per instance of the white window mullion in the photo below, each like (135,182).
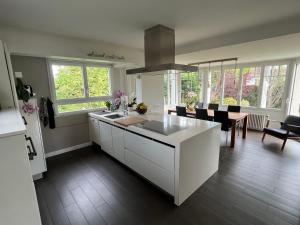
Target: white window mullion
(240,86)
(222,85)
(85,82)
(261,86)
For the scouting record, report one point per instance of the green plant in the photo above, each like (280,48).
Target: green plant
(108,104)
(22,93)
(229,101)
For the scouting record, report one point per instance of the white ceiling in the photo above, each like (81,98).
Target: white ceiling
(123,21)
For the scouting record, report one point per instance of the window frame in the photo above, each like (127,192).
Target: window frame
(86,98)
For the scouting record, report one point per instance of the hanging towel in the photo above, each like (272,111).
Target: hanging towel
(51,114)
(43,111)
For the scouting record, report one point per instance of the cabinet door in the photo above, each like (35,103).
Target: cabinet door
(158,153)
(118,143)
(106,137)
(94,130)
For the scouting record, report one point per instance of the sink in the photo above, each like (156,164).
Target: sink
(101,113)
(114,116)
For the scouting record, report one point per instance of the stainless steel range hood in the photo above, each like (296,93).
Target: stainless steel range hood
(159,43)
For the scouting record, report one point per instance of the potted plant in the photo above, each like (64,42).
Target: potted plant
(190,100)
(141,108)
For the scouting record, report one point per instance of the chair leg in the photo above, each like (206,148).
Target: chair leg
(283,144)
(226,137)
(263,137)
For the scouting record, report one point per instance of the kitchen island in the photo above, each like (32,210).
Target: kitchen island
(177,154)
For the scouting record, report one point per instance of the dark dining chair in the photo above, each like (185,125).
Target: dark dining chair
(181,111)
(213,106)
(289,129)
(234,108)
(223,118)
(203,115)
(199,105)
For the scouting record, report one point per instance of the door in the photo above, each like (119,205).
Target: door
(295,96)
(106,137)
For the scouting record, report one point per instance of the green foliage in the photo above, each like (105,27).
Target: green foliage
(245,103)
(229,101)
(69,84)
(98,80)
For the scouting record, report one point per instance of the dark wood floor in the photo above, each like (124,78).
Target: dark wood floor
(256,184)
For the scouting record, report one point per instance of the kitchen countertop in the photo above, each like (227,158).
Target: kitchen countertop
(11,123)
(191,126)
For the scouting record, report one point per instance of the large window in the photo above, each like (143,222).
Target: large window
(273,86)
(190,86)
(250,86)
(231,86)
(215,86)
(79,86)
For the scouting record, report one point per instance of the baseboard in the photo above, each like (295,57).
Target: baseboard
(68,149)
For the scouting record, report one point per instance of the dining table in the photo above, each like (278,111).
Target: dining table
(234,117)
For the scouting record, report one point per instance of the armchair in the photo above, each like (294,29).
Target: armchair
(289,129)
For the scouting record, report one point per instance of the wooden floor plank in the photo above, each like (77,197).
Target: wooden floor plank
(256,184)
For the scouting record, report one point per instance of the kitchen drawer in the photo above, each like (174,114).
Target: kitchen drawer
(157,175)
(158,153)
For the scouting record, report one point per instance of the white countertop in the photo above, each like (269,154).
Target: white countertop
(192,126)
(11,123)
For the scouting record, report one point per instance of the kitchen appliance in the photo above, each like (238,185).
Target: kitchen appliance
(159,44)
(164,128)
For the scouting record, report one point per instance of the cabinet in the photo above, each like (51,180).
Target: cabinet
(33,131)
(118,143)
(94,130)
(106,137)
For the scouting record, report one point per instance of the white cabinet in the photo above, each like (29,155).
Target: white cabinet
(94,130)
(118,143)
(157,153)
(106,137)
(33,131)
(157,175)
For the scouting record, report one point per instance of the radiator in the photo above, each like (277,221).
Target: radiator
(257,121)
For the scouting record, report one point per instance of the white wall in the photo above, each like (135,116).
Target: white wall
(25,42)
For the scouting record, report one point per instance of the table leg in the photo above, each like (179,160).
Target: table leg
(245,127)
(233,129)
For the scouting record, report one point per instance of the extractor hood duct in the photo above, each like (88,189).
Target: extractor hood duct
(159,43)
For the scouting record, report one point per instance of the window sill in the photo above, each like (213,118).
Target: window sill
(80,112)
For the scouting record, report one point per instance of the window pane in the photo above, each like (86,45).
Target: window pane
(215,87)
(98,81)
(231,86)
(68,81)
(80,106)
(250,86)
(273,86)
(190,87)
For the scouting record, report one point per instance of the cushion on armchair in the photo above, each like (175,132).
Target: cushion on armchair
(292,120)
(278,132)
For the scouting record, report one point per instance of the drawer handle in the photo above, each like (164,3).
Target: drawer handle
(33,152)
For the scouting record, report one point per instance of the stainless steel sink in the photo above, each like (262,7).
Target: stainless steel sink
(114,116)
(101,113)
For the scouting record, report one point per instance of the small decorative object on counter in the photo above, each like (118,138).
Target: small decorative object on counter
(108,104)
(190,100)
(131,104)
(141,108)
(117,98)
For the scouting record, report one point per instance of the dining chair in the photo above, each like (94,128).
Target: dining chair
(181,111)
(289,129)
(235,108)
(199,105)
(203,115)
(223,118)
(213,106)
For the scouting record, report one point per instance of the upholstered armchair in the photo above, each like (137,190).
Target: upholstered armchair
(289,129)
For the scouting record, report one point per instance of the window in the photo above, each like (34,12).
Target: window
(170,89)
(273,86)
(190,86)
(78,86)
(215,86)
(231,86)
(250,86)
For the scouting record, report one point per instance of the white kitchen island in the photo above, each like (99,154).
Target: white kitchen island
(178,163)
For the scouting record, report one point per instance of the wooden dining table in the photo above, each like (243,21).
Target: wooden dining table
(235,117)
